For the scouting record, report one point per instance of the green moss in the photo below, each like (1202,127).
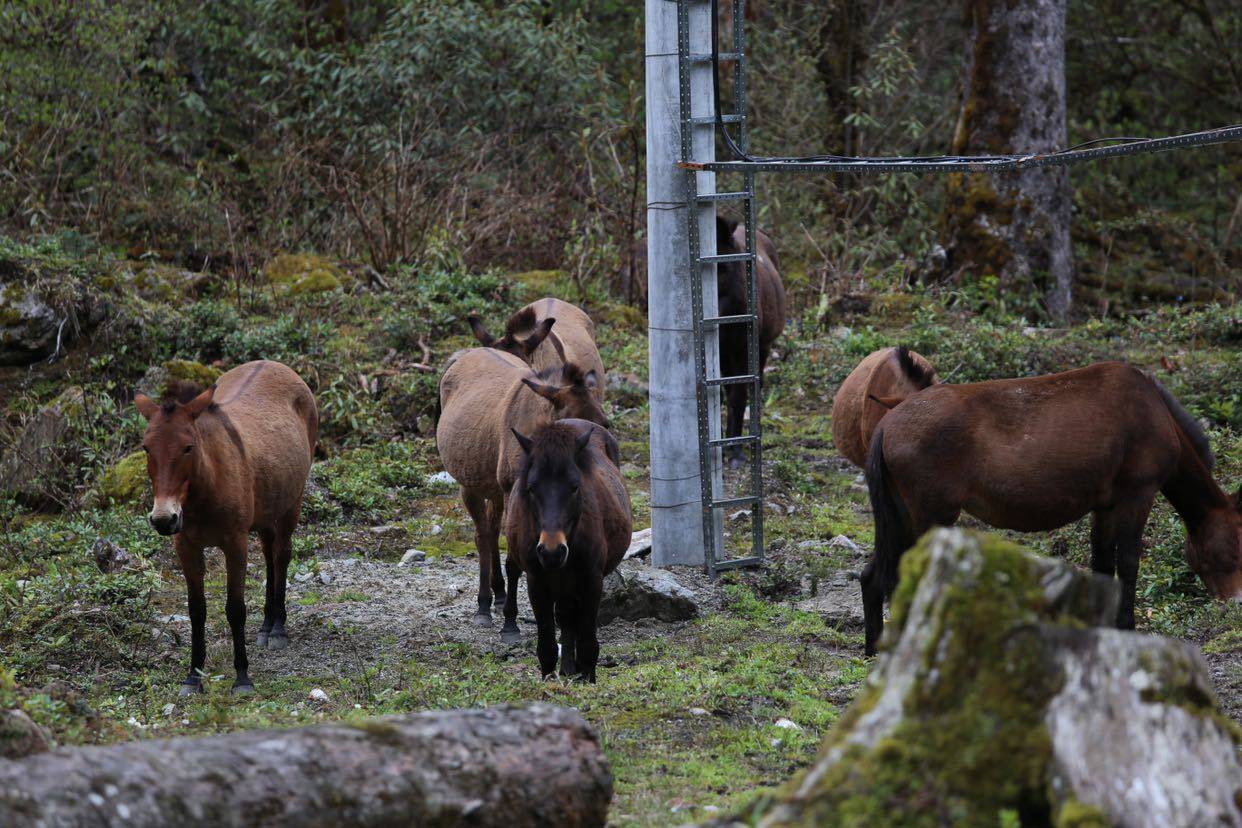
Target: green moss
(127,481)
(304,273)
(1075,814)
(895,307)
(535,284)
(185,370)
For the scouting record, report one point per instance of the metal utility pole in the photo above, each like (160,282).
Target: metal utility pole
(676,482)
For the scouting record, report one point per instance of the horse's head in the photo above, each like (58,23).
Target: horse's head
(521,347)
(172,453)
(573,398)
(549,483)
(1214,550)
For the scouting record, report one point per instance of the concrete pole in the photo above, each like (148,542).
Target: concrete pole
(676,501)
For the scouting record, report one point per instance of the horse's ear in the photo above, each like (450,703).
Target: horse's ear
(480,332)
(591,380)
(145,405)
(536,339)
(199,404)
(583,441)
(523,441)
(548,392)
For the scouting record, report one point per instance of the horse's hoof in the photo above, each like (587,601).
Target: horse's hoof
(190,689)
(243,689)
(261,639)
(510,635)
(482,619)
(277,641)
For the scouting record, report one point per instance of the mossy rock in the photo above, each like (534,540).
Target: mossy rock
(185,370)
(895,307)
(127,481)
(622,316)
(304,273)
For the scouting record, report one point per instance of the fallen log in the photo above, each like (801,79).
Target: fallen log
(504,766)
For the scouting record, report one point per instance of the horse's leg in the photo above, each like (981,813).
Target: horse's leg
(1104,542)
(486,533)
(496,507)
(873,606)
(567,620)
(267,538)
(234,550)
(545,620)
(1130,521)
(282,554)
(588,641)
(191,558)
(509,633)
(735,396)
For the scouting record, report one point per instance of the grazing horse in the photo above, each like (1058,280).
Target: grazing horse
(484,395)
(882,380)
(568,526)
(731,297)
(231,460)
(1036,454)
(573,340)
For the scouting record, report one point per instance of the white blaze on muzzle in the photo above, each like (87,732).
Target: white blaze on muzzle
(165,508)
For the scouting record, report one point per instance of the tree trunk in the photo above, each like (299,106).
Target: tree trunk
(504,766)
(1013,225)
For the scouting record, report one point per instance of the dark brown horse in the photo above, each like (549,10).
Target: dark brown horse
(1036,454)
(232,460)
(568,526)
(731,296)
(484,395)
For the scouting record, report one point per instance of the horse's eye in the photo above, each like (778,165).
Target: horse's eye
(188,449)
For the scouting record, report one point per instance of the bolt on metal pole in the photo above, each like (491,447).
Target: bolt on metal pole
(676,490)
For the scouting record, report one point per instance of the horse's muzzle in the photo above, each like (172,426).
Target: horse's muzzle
(552,558)
(168,524)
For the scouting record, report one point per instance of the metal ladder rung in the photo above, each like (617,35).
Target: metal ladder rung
(748,500)
(729,320)
(707,58)
(738,380)
(725,442)
(722,258)
(708,197)
(738,563)
(706,120)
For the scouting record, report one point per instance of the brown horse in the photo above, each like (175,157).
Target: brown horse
(484,395)
(882,380)
(232,460)
(1036,454)
(567,527)
(731,297)
(573,340)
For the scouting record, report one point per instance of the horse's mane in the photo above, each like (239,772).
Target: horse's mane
(523,320)
(1189,426)
(179,392)
(914,372)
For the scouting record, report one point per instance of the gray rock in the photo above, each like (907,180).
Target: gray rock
(28,326)
(20,736)
(441,478)
(34,467)
(640,544)
(636,593)
(412,556)
(110,557)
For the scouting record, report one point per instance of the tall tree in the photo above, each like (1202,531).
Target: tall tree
(1013,225)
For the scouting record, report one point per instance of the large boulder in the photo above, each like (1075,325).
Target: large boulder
(127,481)
(998,693)
(28,326)
(634,592)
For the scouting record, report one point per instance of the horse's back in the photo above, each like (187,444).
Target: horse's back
(473,394)
(1034,452)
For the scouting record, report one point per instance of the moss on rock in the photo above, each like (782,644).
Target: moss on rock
(185,370)
(304,273)
(127,481)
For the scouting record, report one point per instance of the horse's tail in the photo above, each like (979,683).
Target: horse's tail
(892,525)
(1187,424)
